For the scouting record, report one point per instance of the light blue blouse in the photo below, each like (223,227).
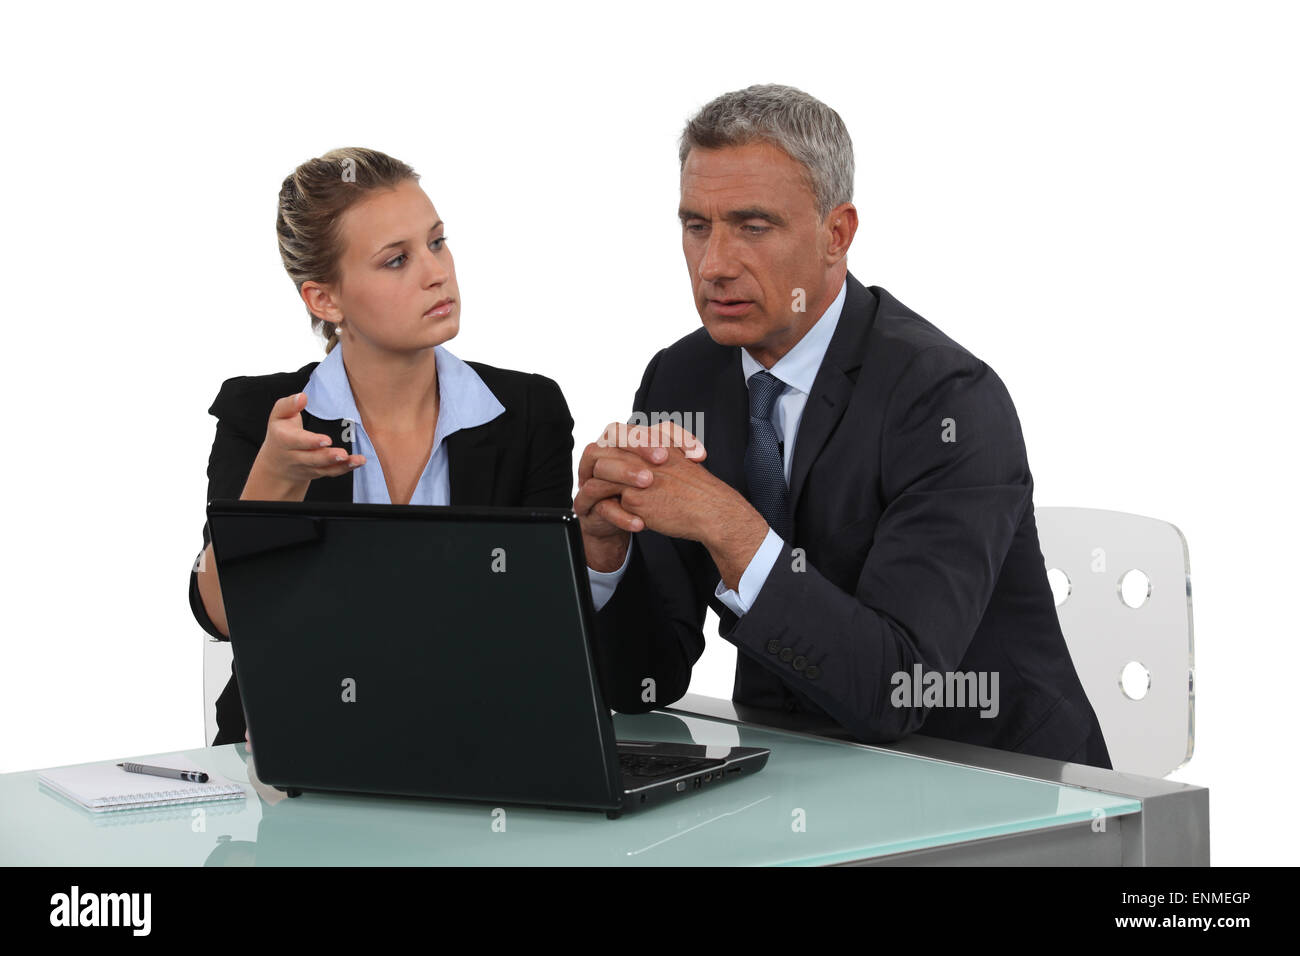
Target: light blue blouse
(464,401)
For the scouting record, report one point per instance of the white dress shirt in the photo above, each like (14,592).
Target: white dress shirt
(797,369)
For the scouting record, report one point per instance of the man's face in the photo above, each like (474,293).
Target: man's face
(752,238)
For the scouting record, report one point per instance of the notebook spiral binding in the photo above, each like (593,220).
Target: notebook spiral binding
(127,816)
(207,792)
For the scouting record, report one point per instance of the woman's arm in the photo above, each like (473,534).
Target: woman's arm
(259,487)
(229,471)
(280,466)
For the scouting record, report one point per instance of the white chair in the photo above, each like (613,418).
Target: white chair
(1123,592)
(217,657)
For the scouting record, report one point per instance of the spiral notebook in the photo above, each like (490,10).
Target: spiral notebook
(101,787)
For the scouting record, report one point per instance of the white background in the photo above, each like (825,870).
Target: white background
(1098,199)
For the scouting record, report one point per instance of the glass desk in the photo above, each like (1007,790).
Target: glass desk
(818,801)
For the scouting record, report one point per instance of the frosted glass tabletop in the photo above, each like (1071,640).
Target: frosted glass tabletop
(816,802)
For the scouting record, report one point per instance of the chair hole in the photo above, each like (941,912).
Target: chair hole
(1134,588)
(1134,680)
(1060,582)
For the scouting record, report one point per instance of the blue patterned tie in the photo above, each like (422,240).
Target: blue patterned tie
(764,467)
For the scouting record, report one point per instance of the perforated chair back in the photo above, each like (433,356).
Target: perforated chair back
(1123,591)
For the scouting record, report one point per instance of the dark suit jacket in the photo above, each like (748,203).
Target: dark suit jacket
(915,550)
(523,457)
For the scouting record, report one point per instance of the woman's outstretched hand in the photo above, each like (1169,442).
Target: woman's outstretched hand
(291,457)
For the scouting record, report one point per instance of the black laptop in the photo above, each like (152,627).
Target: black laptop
(433,651)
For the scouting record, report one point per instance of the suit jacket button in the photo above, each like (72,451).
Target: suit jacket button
(812,671)
(786,654)
(773,646)
(799,663)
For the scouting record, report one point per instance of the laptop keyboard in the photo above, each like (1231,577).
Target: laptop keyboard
(662,765)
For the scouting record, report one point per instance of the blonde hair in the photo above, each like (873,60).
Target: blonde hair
(313,199)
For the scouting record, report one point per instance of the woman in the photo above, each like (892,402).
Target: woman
(390,416)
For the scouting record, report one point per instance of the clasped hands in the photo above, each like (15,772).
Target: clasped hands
(636,477)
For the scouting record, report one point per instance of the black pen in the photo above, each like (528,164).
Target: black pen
(194,776)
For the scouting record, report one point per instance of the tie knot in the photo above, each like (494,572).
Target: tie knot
(764,389)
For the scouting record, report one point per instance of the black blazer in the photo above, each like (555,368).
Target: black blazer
(522,457)
(915,550)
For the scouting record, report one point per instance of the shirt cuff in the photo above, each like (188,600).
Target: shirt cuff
(751,582)
(603,583)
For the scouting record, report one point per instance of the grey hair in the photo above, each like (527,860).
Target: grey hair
(809,131)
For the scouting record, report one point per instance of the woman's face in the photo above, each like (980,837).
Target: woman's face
(397,287)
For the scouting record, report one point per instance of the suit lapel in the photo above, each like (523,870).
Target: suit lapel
(471,465)
(726,432)
(833,386)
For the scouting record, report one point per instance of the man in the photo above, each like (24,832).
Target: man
(861,514)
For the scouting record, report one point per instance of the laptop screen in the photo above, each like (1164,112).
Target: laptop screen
(431,651)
